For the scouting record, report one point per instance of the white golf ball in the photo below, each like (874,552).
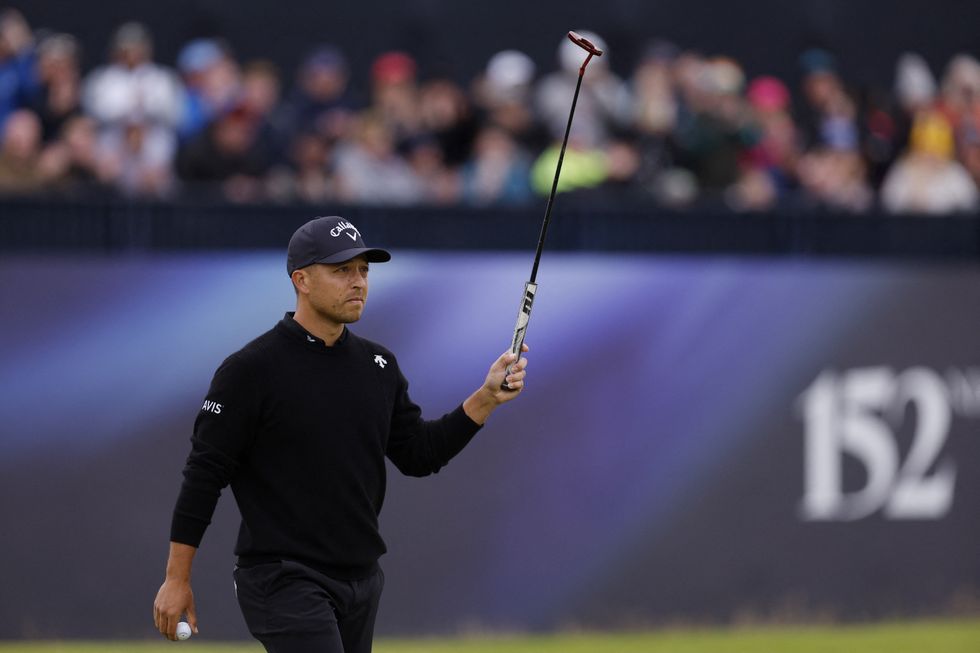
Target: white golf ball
(183,630)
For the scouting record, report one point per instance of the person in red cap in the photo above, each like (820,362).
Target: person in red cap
(299,423)
(395,95)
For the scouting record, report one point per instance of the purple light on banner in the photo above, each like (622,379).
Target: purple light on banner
(647,376)
(139,340)
(658,364)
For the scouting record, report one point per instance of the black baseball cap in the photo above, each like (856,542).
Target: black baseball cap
(331,239)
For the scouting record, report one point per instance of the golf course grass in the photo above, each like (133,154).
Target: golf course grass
(947,636)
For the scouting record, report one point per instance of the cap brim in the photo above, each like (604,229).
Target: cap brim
(373,255)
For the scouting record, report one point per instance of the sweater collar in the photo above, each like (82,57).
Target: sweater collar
(296,331)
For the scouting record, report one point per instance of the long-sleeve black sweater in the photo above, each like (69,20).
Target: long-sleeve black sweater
(300,431)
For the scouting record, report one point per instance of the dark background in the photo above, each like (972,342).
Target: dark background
(456,38)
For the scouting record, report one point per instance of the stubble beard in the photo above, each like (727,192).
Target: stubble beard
(345,315)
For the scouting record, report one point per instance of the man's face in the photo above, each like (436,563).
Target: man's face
(337,292)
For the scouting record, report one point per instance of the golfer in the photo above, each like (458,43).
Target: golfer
(299,422)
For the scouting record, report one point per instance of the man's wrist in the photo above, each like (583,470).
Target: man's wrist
(179,572)
(479,405)
(180,561)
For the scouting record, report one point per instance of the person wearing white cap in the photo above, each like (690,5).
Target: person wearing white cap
(603,106)
(136,104)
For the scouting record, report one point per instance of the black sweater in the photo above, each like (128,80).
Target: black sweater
(300,430)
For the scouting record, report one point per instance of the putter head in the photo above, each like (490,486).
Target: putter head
(584,43)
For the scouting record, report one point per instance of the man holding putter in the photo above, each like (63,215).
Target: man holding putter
(299,422)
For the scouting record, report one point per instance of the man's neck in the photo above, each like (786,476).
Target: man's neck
(326,330)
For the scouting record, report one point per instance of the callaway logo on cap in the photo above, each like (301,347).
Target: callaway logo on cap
(329,240)
(347,227)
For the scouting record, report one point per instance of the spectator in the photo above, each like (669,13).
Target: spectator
(688,72)
(131,85)
(582,168)
(878,127)
(438,183)
(395,96)
(370,172)
(769,170)
(604,103)
(778,146)
(261,93)
(915,91)
(212,81)
(446,115)
(832,172)
(229,153)
(830,116)
(928,180)
(660,173)
(970,152)
(719,127)
(137,158)
(59,96)
(261,89)
(960,100)
(498,172)
(20,170)
(915,85)
(676,188)
(72,160)
(308,177)
(622,166)
(753,191)
(321,101)
(654,99)
(503,94)
(137,104)
(19,83)
(960,103)
(835,180)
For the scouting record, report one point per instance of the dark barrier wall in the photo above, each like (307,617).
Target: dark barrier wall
(701,439)
(579,223)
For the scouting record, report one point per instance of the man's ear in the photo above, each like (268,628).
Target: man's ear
(300,281)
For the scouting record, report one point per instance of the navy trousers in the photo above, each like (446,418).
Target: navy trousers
(291,608)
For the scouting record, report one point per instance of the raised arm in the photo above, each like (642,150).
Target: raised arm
(420,447)
(491,394)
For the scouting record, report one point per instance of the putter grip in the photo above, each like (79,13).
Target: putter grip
(520,329)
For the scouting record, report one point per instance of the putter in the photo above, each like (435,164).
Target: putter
(531,287)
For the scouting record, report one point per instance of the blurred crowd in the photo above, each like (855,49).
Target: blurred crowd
(684,128)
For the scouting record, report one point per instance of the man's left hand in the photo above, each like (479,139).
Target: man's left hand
(493,393)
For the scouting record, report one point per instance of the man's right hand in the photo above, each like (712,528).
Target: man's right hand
(175,597)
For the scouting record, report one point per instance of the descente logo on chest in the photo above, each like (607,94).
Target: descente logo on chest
(212,407)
